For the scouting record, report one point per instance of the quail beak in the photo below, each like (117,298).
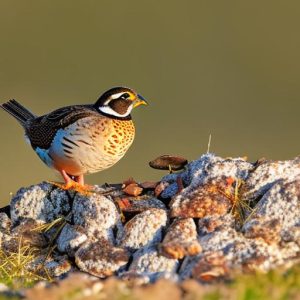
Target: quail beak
(139,101)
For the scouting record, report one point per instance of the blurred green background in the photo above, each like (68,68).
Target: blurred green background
(226,68)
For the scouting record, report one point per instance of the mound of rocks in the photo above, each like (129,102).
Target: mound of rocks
(215,217)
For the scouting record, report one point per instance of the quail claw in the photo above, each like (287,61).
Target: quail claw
(72,185)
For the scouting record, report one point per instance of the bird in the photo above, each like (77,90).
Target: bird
(81,139)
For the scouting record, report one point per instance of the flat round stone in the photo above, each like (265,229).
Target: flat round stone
(166,162)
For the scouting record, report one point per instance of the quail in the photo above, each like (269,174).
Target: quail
(81,139)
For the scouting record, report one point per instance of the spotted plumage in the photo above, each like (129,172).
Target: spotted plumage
(81,139)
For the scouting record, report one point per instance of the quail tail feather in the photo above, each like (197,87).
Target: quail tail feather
(18,111)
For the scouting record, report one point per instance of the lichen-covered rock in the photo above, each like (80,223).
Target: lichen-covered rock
(134,206)
(210,167)
(268,173)
(265,228)
(241,252)
(161,187)
(277,211)
(180,239)
(206,169)
(100,258)
(8,243)
(143,230)
(58,266)
(70,239)
(25,234)
(211,223)
(5,223)
(51,266)
(208,200)
(29,234)
(291,234)
(97,214)
(247,216)
(42,202)
(210,267)
(77,285)
(133,189)
(148,262)
(134,279)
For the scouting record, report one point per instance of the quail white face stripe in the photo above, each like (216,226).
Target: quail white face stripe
(113,97)
(116,96)
(109,111)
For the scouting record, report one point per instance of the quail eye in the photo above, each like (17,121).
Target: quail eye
(125,96)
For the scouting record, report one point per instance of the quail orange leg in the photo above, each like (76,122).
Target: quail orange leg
(77,184)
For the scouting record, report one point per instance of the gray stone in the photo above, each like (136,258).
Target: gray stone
(148,262)
(97,214)
(100,258)
(70,239)
(5,223)
(277,211)
(143,230)
(40,202)
(268,173)
(180,239)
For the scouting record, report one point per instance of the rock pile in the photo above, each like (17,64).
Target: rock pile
(215,216)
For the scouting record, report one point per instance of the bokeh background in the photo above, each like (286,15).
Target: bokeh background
(226,68)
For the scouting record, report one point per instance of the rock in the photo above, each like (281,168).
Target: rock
(148,262)
(22,235)
(168,162)
(85,286)
(212,223)
(158,227)
(5,223)
(29,234)
(40,202)
(160,188)
(132,205)
(207,169)
(180,239)
(143,230)
(53,265)
(208,200)
(268,230)
(8,243)
(70,239)
(100,258)
(133,189)
(162,289)
(169,190)
(268,173)
(211,167)
(58,266)
(133,278)
(210,267)
(151,185)
(291,234)
(277,211)
(97,214)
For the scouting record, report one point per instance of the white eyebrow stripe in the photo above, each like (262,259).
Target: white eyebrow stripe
(108,110)
(116,96)
(113,96)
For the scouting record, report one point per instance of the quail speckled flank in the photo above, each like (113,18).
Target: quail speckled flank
(81,139)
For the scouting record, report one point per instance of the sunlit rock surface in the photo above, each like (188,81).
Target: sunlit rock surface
(215,217)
